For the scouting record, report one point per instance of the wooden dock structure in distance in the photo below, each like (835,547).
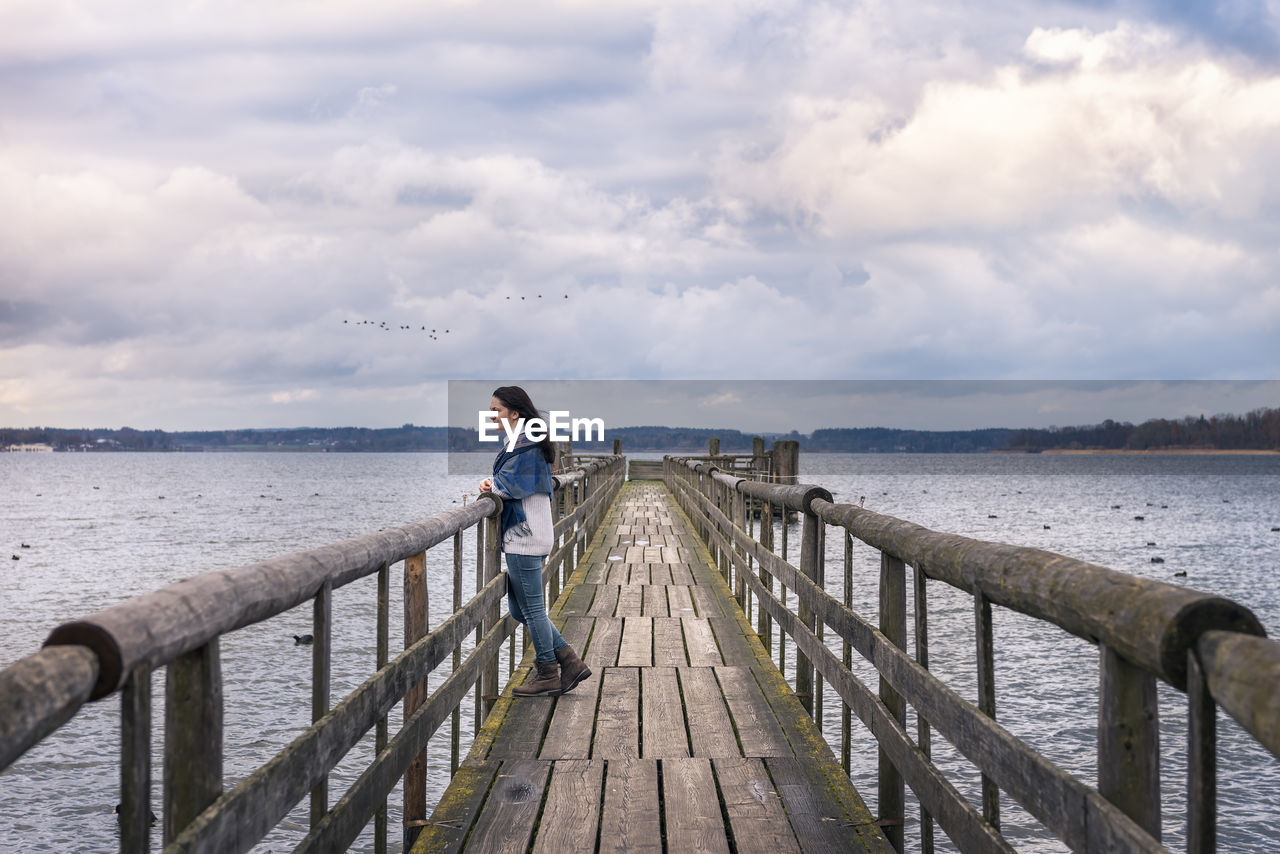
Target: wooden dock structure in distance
(685,738)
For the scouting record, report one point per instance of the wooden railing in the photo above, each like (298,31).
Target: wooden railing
(1206,646)
(179,626)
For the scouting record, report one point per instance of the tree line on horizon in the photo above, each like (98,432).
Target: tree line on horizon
(1256,430)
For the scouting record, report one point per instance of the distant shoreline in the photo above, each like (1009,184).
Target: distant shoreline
(1186,451)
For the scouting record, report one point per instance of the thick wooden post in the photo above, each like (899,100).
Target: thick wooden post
(617,447)
(786,461)
(135,762)
(193,736)
(713,448)
(416,626)
(893,624)
(758,459)
(1129,740)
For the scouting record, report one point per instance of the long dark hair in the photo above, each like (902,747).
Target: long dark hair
(517,399)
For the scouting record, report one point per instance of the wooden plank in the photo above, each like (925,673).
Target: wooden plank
(668,642)
(701,643)
(639,573)
(577,602)
(662,715)
(568,822)
(710,729)
(758,729)
(705,602)
(521,734)
(818,818)
(453,816)
(572,722)
(606,601)
(506,820)
(734,646)
(577,632)
(618,719)
(692,808)
(630,822)
(655,601)
(679,602)
(756,817)
(630,601)
(636,649)
(680,574)
(619,573)
(596,573)
(602,648)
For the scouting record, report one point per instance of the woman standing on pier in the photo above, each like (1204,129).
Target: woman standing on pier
(522,479)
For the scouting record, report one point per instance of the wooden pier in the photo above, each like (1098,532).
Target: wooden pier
(688,736)
(685,738)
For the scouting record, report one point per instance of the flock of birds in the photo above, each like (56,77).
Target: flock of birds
(433,334)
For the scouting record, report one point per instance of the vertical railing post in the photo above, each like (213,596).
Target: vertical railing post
(986,695)
(1129,740)
(135,762)
(846,655)
(819,626)
(811,566)
(923,735)
(492,556)
(381,656)
(740,521)
(1202,773)
(893,624)
(551,575)
(480,552)
(455,736)
(588,489)
(193,736)
(321,644)
(416,626)
(782,597)
(764,621)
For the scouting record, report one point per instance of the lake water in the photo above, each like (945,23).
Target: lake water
(104,527)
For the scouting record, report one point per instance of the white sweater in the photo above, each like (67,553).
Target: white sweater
(534,535)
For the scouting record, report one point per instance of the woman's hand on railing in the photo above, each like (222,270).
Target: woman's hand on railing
(486,485)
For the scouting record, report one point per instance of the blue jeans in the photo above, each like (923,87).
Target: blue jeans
(524,602)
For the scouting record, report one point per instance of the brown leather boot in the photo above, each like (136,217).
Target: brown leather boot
(572,669)
(546,682)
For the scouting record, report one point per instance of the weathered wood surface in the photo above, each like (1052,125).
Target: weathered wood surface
(40,693)
(1243,675)
(1150,623)
(157,627)
(683,713)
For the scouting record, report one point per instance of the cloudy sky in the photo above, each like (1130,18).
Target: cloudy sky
(211,209)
